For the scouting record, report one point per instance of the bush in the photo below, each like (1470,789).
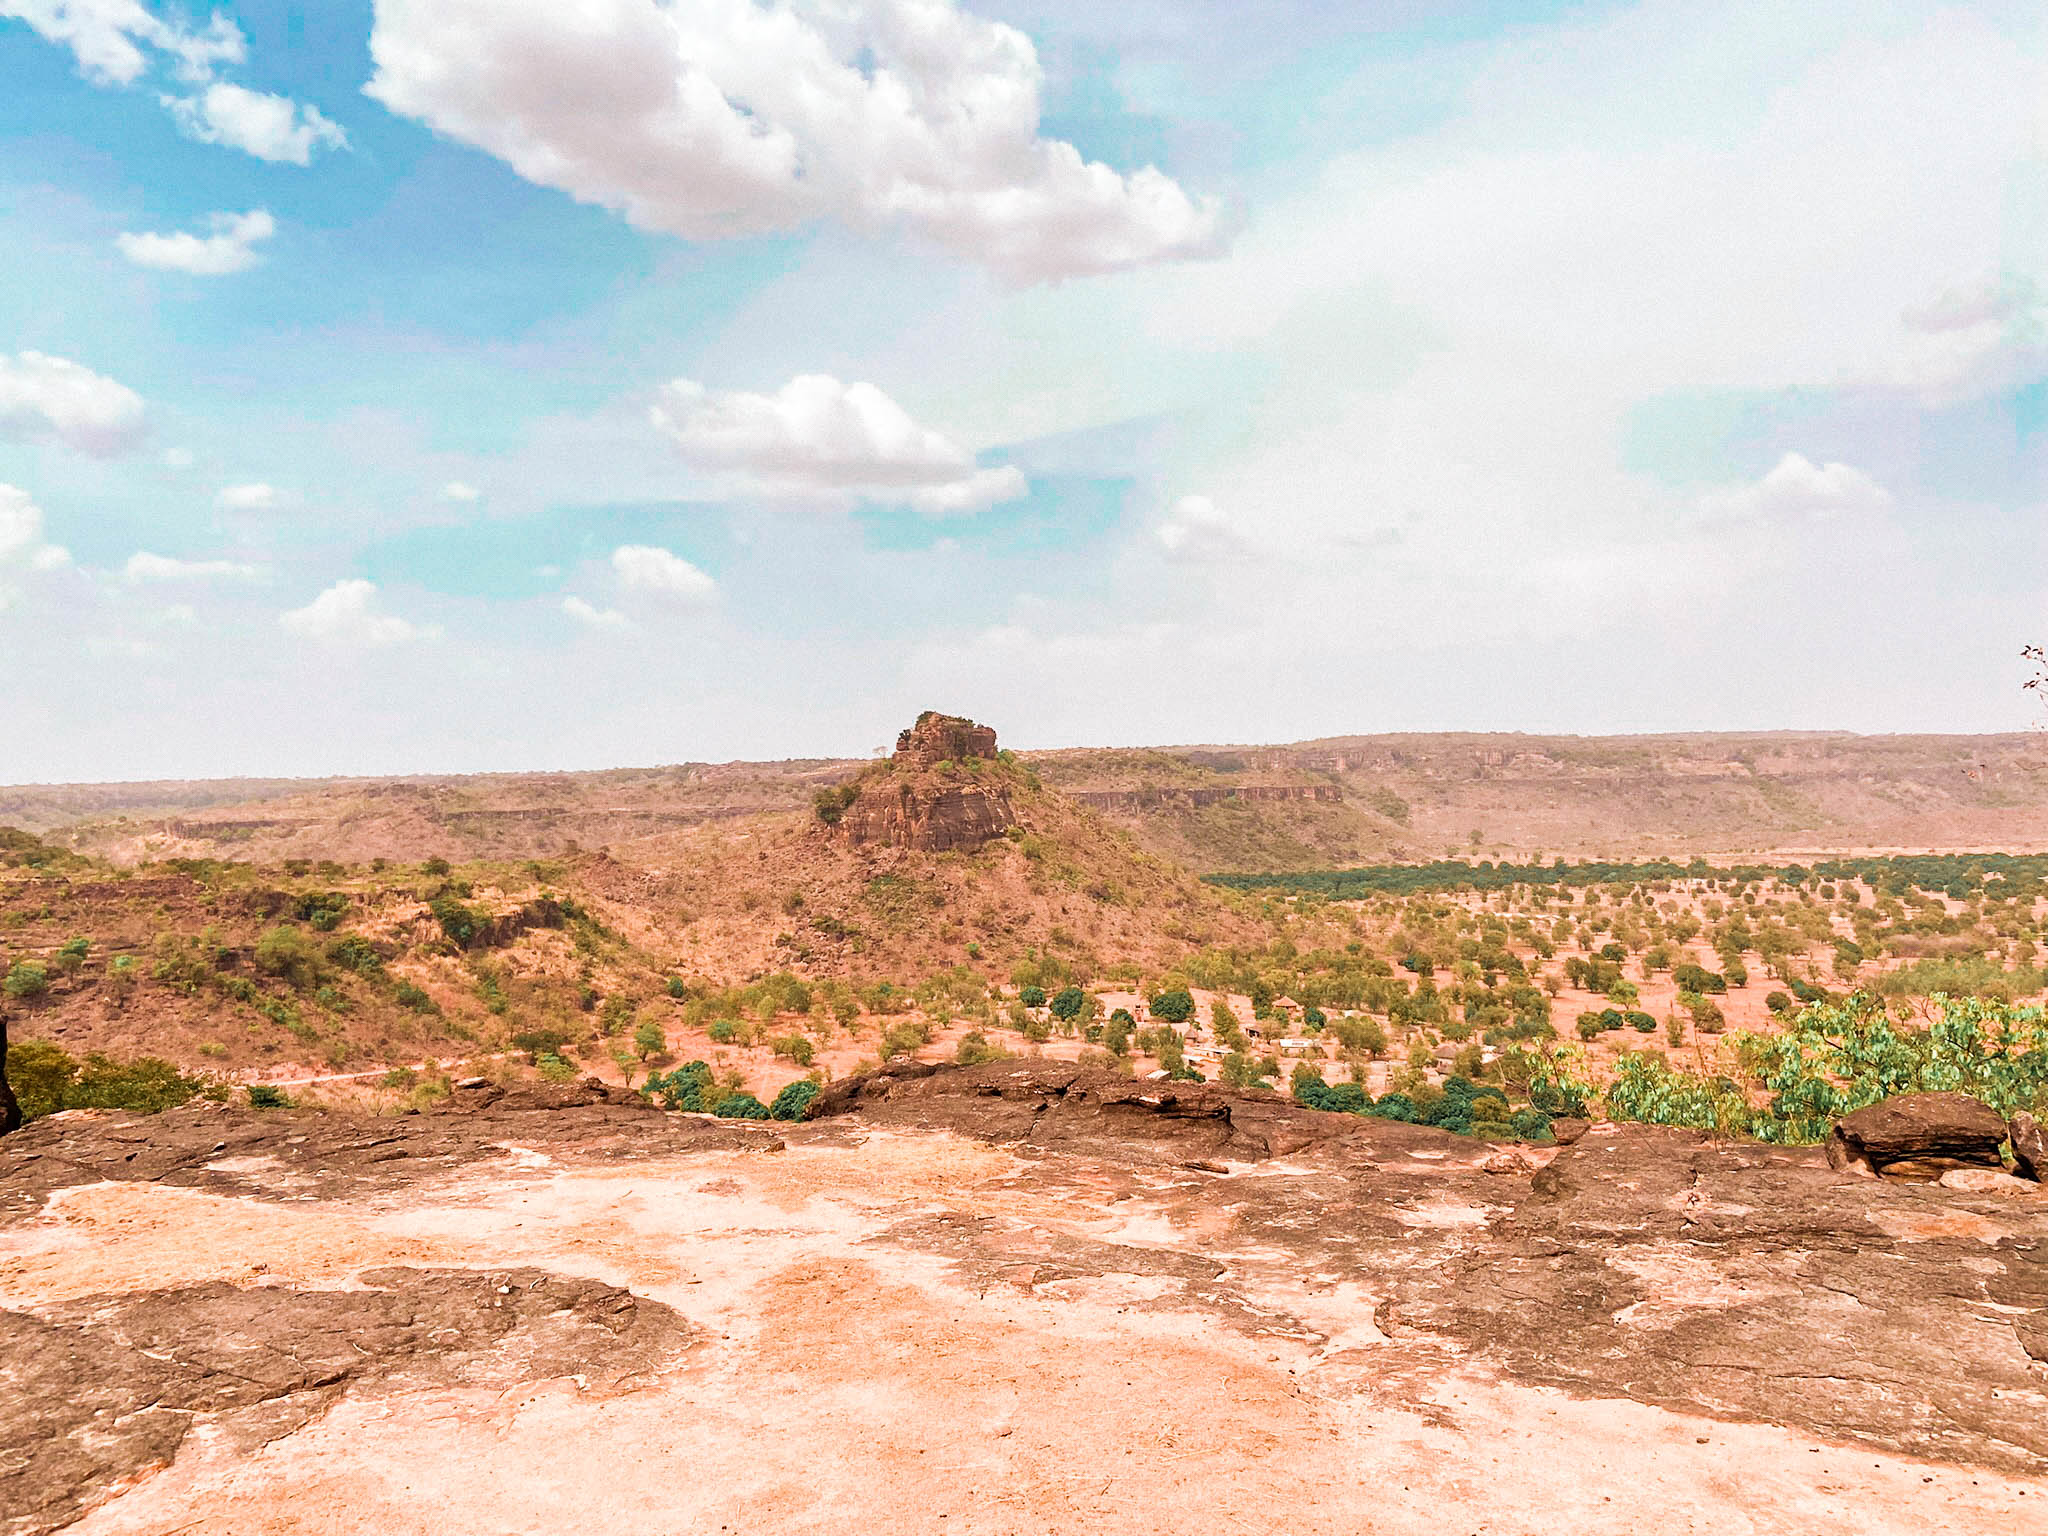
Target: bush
(974,1049)
(286,953)
(796,1048)
(356,953)
(1068,1003)
(1032,997)
(1695,978)
(794,1099)
(266,1096)
(741,1106)
(722,1031)
(833,800)
(46,1078)
(1175,1007)
(415,999)
(906,1038)
(556,1069)
(1778,1003)
(685,1088)
(677,988)
(26,981)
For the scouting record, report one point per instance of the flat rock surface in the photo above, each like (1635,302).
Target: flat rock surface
(1017,1298)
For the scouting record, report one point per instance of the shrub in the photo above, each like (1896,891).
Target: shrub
(1032,997)
(556,1069)
(46,1078)
(677,988)
(437,867)
(415,999)
(974,1049)
(26,981)
(687,1087)
(286,953)
(905,1038)
(266,1096)
(463,926)
(793,1100)
(71,956)
(796,1048)
(722,1031)
(832,802)
(1778,1003)
(355,953)
(649,1040)
(741,1106)
(1068,1003)
(323,910)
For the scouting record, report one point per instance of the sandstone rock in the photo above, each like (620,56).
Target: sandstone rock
(914,804)
(937,738)
(1983,1181)
(1920,1135)
(2029,1146)
(1566,1131)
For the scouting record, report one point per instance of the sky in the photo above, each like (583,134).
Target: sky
(445,385)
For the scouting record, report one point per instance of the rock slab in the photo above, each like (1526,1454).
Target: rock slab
(1919,1136)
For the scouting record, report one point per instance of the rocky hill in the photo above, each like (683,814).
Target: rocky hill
(1320,804)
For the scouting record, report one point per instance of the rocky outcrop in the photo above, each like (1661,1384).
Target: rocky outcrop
(934,795)
(2029,1147)
(1919,1136)
(937,738)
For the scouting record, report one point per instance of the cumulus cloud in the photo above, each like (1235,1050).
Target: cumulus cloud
(117,41)
(108,37)
(1198,529)
(273,128)
(816,436)
(143,567)
(348,614)
(712,118)
(593,616)
(23,549)
(51,398)
(229,248)
(660,573)
(457,490)
(1796,491)
(254,497)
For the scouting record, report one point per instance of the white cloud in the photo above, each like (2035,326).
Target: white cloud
(978,492)
(712,118)
(660,573)
(145,567)
(1796,490)
(23,549)
(178,458)
(816,435)
(273,128)
(595,617)
(43,397)
(457,490)
(229,248)
(347,614)
(1978,339)
(108,37)
(1198,529)
(254,497)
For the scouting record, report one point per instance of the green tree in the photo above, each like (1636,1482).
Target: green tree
(1175,1007)
(1068,1003)
(648,1039)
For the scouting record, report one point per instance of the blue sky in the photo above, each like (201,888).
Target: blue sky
(434,385)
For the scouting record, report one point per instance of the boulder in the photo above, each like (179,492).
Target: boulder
(1919,1136)
(1565,1130)
(2029,1146)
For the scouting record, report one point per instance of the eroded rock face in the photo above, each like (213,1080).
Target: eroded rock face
(937,738)
(1919,1136)
(98,1390)
(919,805)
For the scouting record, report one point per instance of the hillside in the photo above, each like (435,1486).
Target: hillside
(1316,804)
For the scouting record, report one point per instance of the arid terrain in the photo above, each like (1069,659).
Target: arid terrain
(1000,1300)
(1315,804)
(924,1144)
